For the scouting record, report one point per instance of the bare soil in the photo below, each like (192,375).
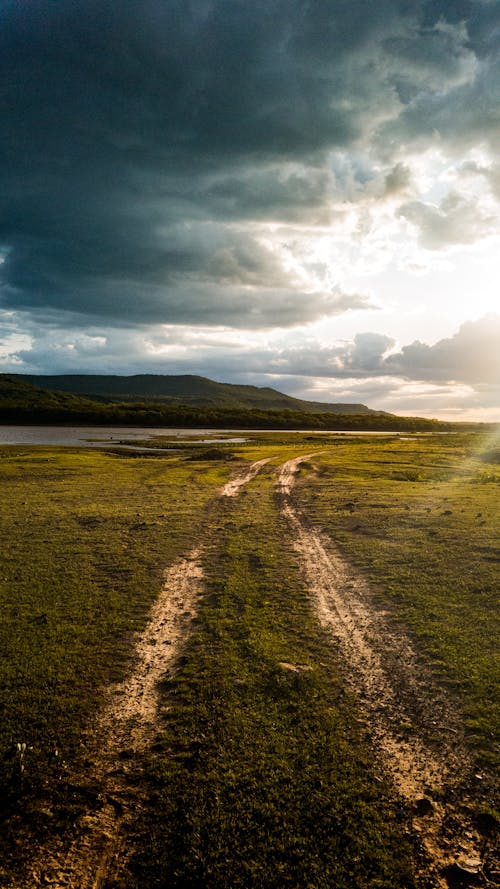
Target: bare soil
(411,722)
(233,487)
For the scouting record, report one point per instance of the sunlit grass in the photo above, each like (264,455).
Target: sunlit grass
(263,778)
(421,519)
(85,537)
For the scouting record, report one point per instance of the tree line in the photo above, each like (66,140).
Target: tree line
(76,410)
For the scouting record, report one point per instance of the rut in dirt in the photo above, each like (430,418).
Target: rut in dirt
(125,729)
(232,487)
(412,724)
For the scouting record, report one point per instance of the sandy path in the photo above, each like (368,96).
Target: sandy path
(130,719)
(232,488)
(415,729)
(125,728)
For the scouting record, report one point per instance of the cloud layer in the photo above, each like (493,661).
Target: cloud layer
(214,163)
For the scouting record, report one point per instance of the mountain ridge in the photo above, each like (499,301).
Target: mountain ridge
(177,389)
(23,402)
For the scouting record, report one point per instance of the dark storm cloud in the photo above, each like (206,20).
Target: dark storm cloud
(273,193)
(183,273)
(128,127)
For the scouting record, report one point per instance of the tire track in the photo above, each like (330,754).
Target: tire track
(412,724)
(124,730)
(233,487)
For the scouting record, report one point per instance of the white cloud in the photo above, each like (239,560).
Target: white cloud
(457,220)
(418,378)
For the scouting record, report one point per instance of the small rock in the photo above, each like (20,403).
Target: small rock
(463,873)
(470,865)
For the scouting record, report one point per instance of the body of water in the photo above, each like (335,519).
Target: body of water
(97,436)
(125,436)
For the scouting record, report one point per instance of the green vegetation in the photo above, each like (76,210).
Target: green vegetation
(262,776)
(21,402)
(421,518)
(263,779)
(182,390)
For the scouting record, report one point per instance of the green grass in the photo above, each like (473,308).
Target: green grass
(85,537)
(263,779)
(421,518)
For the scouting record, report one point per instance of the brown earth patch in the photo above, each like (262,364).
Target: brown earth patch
(232,488)
(294,668)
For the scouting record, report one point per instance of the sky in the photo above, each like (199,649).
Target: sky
(303,195)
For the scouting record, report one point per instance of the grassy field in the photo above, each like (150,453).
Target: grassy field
(85,537)
(263,779)
(421,518)
(262,776)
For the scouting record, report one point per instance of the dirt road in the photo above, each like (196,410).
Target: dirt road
(410,721)
(233,487)
(127,725)
(412,724)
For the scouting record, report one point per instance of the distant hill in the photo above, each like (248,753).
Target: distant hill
(189,402)
(185,389)
(16,393)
